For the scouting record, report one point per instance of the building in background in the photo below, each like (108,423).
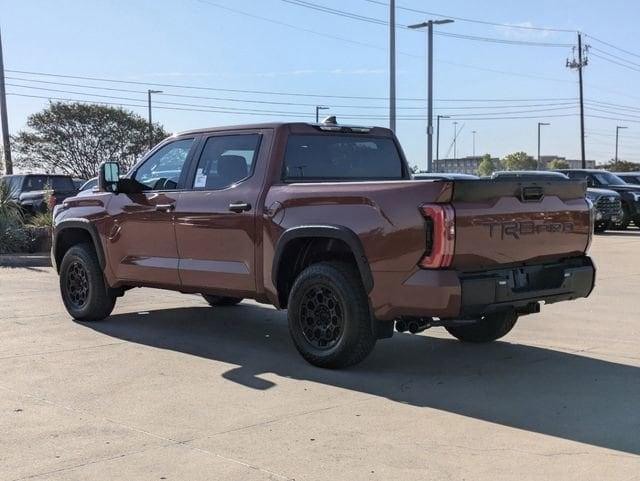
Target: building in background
(463,165)
(573,163)
(469,165)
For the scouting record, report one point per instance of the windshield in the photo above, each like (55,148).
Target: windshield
(607,178)
(42,182)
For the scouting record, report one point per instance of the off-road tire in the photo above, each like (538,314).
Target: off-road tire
(602,227)
(221,300)
(488,329)
(342,313)
(85,293)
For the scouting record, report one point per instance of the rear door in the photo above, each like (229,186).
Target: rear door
(141,237)
(216,215)
(510,222)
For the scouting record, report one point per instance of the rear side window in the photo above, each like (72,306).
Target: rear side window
(311,158)
(226,160)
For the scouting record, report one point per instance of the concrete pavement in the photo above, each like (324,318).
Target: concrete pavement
(169,388)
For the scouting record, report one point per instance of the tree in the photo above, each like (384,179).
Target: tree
(519,161)
(74,138)
(556,164)
(620,166)
(487,166)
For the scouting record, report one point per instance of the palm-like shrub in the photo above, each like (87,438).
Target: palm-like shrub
(10,212)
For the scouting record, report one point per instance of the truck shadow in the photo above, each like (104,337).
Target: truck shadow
(541,390)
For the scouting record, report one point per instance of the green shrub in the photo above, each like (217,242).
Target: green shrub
(15,238)
(9,209)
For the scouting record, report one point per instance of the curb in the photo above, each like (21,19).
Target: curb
(41,259)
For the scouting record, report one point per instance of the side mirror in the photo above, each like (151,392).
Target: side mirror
(108,177)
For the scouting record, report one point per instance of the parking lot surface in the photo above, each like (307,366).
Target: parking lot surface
(169,388)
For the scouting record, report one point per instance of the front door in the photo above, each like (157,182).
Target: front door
(142,243)
(215,216)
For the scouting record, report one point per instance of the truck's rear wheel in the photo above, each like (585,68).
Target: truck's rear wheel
(489,328)
(329,318)
(221,300)
(84,291)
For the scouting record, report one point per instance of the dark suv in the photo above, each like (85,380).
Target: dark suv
(30,191)
(629,193)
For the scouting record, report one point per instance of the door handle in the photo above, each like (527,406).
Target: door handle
(165,207)
(239,207)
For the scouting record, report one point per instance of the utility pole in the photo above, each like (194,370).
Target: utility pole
(392,65)
(429,24)
(438,117)
(149,92)
(455,140)
(618,127)
(318,109)
(474,143)
(8,165)
(579,64)
(540,124)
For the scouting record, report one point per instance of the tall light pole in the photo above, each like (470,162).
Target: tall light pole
(618,127)
(149,92)
(474,143)
(438,117)
(392,65)
(318,109)
(455,140)
(8,165)
(429,24)
(540,124)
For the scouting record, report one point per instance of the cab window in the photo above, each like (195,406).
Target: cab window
(162,170)
(225,161)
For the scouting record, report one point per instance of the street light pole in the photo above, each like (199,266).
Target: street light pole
(474,143)
(429,24)
(149,92)
(455,140)
(318,109)
(540,124)
(438,117)
(618,127)
(392,65)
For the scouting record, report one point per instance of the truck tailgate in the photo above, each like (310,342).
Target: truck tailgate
(501,222)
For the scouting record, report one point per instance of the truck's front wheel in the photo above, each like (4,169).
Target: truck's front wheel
(329,318)
(489,328)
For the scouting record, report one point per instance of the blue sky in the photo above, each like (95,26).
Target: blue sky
(197,43)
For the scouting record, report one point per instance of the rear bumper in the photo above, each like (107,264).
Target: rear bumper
(448,294)
(519,288)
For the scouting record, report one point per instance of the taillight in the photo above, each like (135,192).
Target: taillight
(592,222)
(440,224)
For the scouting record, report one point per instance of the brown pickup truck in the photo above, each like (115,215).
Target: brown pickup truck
(326,221)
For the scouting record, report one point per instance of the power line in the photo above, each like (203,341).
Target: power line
(262,92)
(470,20)
(376,21)
(609,54)
(301,104)
(612,46)
(615,62)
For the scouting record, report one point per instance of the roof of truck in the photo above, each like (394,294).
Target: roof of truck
(272,125)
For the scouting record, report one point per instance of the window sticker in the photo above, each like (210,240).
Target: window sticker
(201,179)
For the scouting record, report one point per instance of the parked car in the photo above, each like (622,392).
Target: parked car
(629,177)
(443,176)
(89,185)
(30,191)
(629,193)
(607,203)
(78,182)
(325,221)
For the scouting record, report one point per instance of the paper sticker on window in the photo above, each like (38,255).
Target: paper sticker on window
(201,179)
